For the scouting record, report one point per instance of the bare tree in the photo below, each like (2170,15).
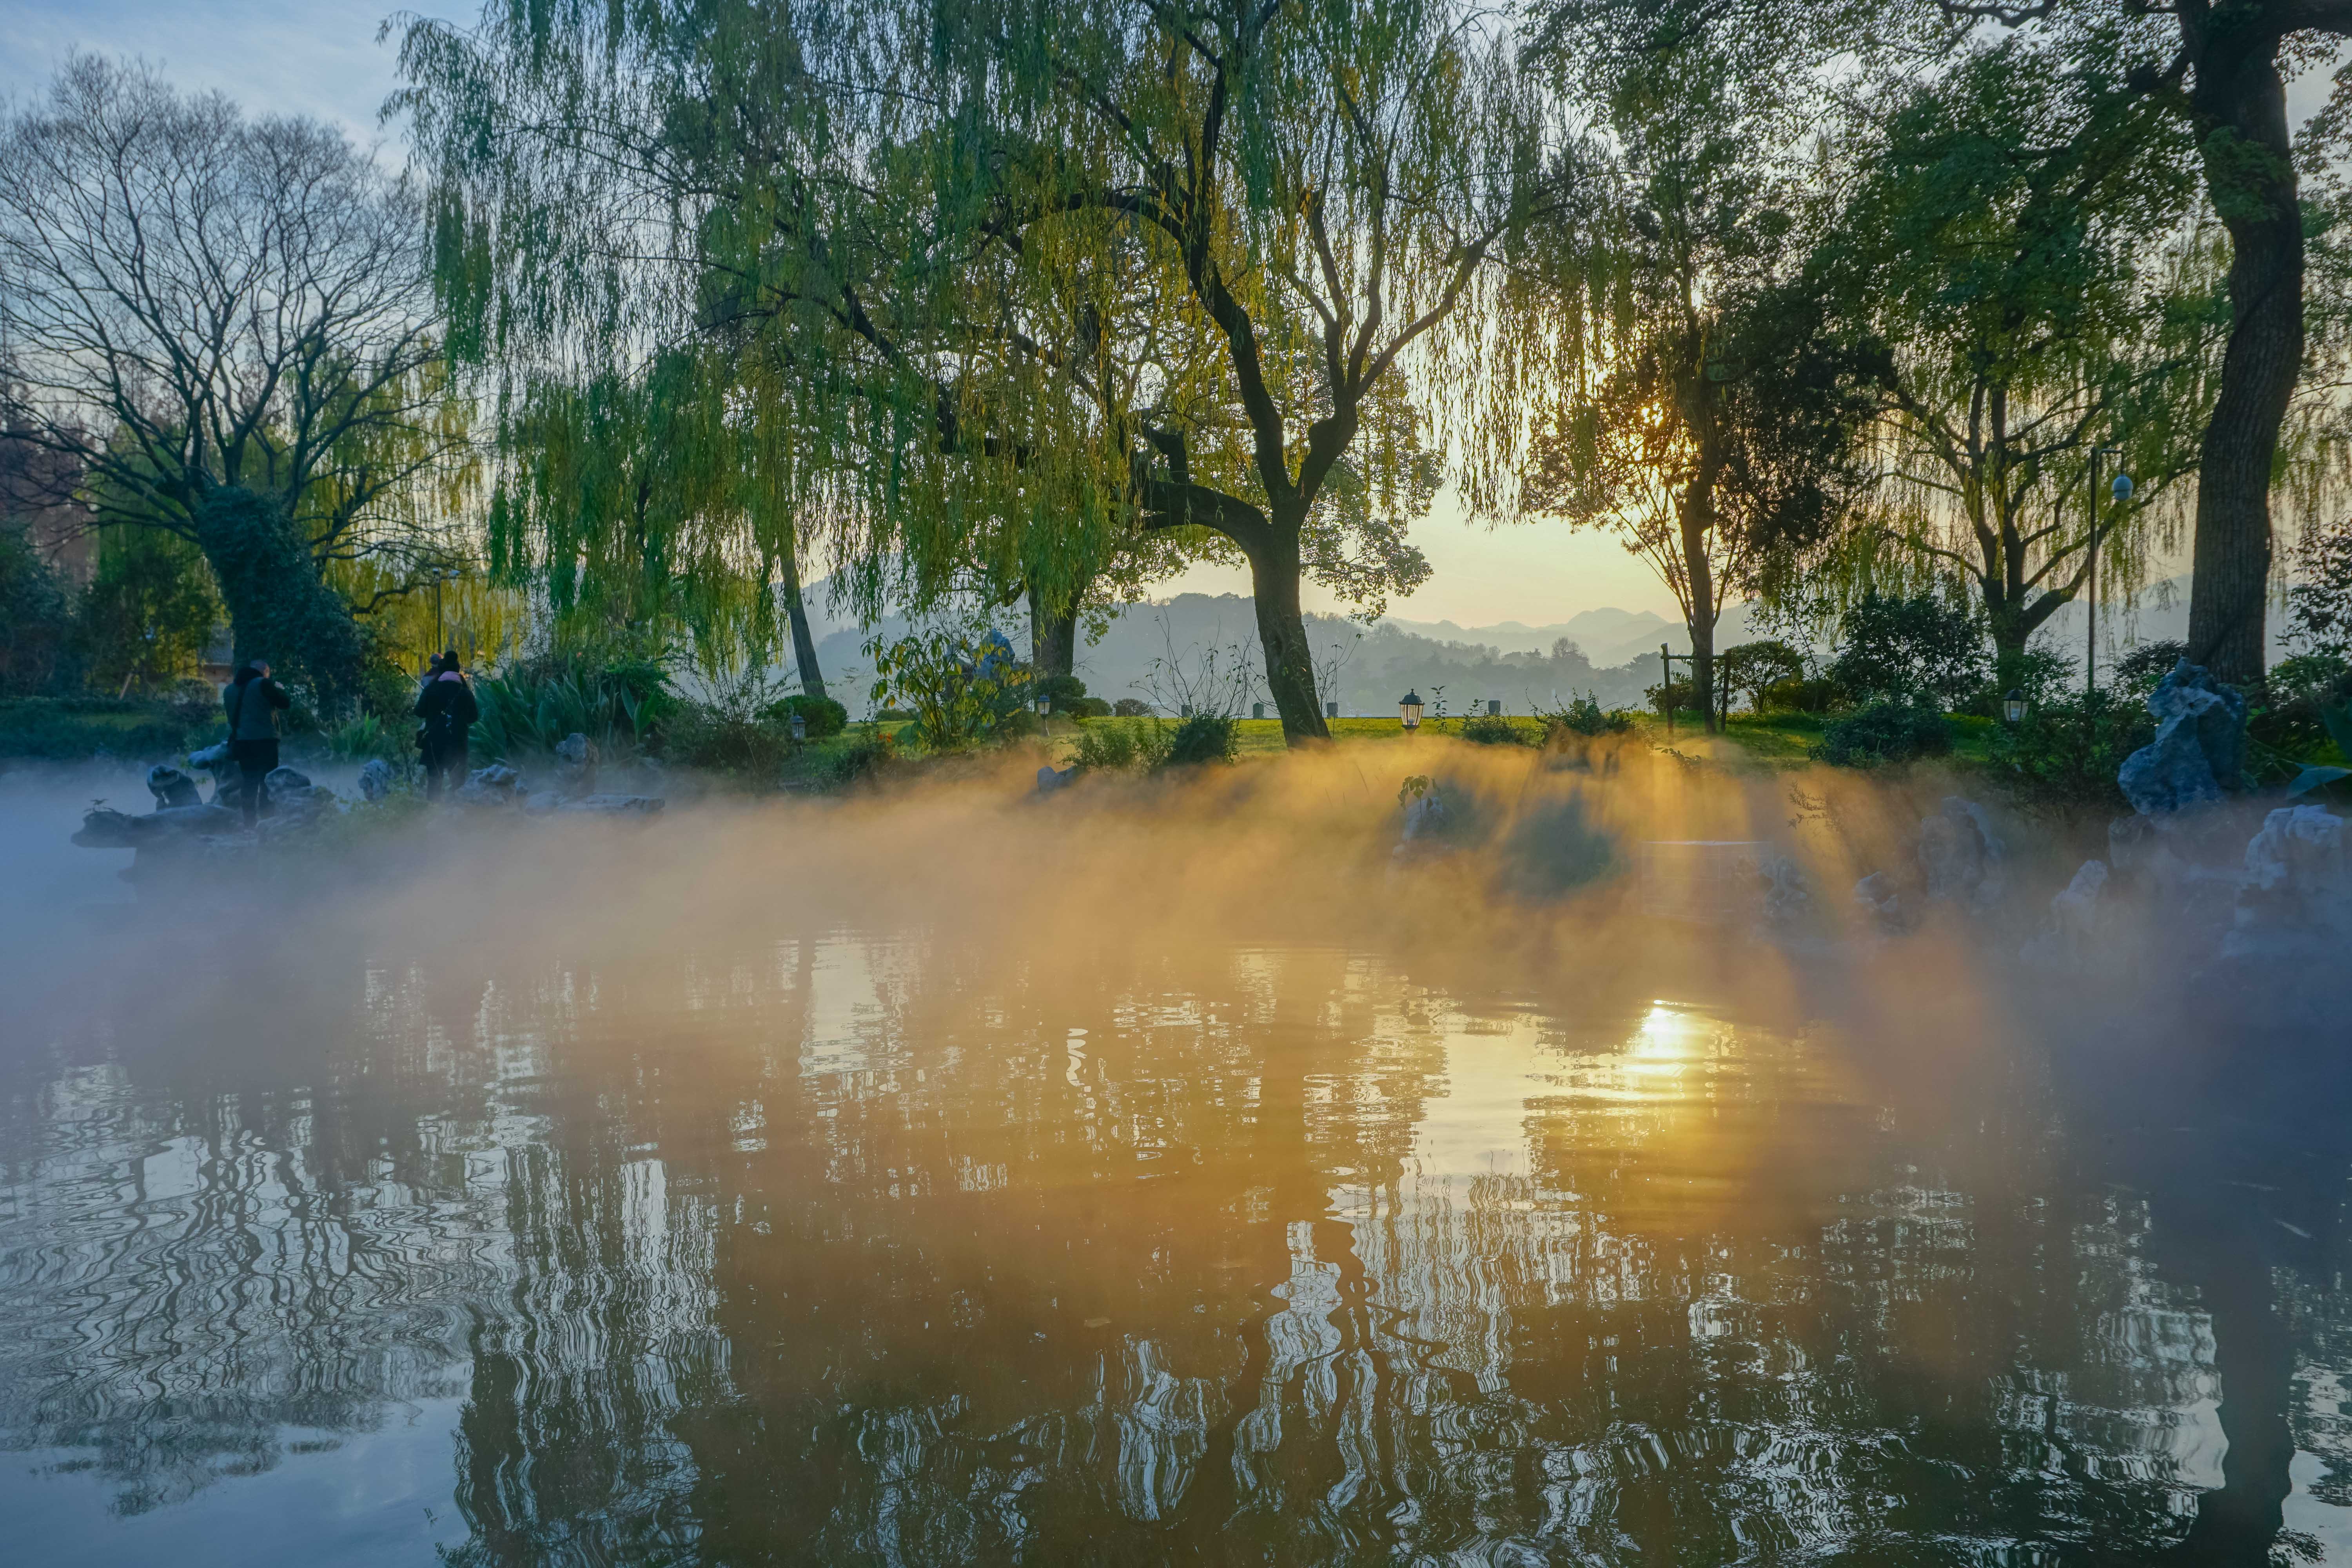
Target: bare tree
(228,324)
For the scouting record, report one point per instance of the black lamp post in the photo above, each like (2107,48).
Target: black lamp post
(1408,710)
(2012,706)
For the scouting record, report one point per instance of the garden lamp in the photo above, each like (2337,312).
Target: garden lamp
(799,727)
(1408,710)
(2122,489)
(1045,707)
(2012,706)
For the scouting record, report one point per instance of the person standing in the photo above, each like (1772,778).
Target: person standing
(446,706)
(253,701)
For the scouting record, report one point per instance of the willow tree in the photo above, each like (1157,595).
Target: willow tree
(1298,207)
(2022,233)
(745,186)
(1710,413)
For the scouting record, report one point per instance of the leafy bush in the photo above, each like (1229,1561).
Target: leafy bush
(1060,690)
(1130,707)
(822,717)
(962,689)
(892,715)
(1585,716)
(2289,712)
(1907,651)
(1122,748)
(1752,668)
(2068,754)
(1679,692)
(2047,678)
(1493,730)
(529,710)
(149,611)
(65,729)
(1203,737)
(865,755)
(1885,731)
(37,624)
(2139,670)
(369,735)
(1809,694)
(1085,708)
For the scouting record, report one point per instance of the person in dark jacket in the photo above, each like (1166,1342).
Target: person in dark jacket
(254,701)
(446,706)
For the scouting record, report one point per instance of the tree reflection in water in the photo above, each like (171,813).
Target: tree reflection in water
(873,1252)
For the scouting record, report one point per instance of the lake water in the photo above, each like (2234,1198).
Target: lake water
(809,1243)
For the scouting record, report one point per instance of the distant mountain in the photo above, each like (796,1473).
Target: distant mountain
(1149,646)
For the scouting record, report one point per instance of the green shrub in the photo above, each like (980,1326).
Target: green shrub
(822,717)
(357,739)
(529,710)
(1203,737)
(1130,707)
(1802,694)
(963,690)
(66,728)
(1122,748)
(1884,731)
(1493,730)
(1062,690)
(1920,651)
(1585,716)
(1084,708)
(2068,754)
(893,716)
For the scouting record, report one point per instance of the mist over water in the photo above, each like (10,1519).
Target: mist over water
(1161,1171)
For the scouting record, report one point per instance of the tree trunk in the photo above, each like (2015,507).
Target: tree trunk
(1275,571)
(1699,616)
(1052,635)
(279,607)
(796,612)
(2240,106)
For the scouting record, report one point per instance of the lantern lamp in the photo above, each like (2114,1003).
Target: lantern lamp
(1408,710)
(2012,706)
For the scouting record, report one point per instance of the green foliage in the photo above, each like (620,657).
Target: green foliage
(280,607)
(1585,716)
(1493,730)
(2289,713)
(528,711)
(1132,746)
(1062,690)
(821,716)
(1203,737)
(2319,606)
(1751,669)
(149,611)
(66,729)
(36,619)
(1130,707)
(1885,731)
(962,690)
(1808,694)
(2141,668)
(2067,754)
(1921,649)
(369,735)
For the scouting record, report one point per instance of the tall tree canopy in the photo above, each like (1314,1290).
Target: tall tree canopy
(1710,409)
(1025,284)
(2021,231)
(227,321)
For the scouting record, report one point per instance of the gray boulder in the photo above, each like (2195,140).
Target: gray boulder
(171,787)
(2294,899)
(2199,754)
(1051,779)
(375,779)
(105,828)
(614,805)
(2077,916)
(1960,855)
(497,784)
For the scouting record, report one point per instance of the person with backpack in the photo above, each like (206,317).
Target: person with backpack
(254,701)
(448,708)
